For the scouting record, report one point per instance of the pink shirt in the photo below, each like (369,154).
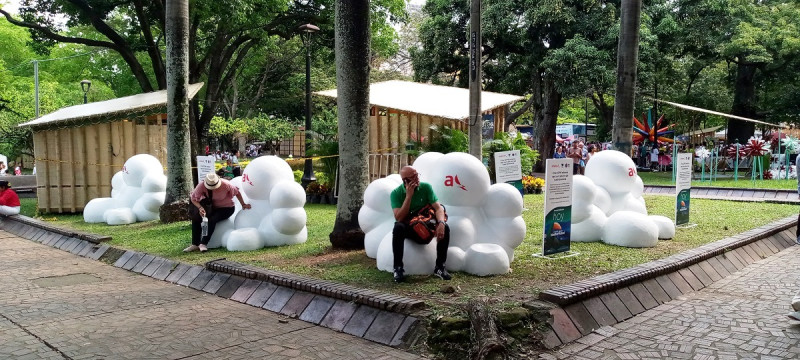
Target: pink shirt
(222,196)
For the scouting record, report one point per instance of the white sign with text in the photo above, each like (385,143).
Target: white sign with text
(205,165)
(507,166)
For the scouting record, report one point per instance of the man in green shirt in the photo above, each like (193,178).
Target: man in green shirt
(407,199)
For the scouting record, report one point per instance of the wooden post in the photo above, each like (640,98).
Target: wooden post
(383,126)
(40,153)
(425,127)
(104,159)
(414,126)
(82,168)
(92,157)
(373,129)
(54,171)
(401,146)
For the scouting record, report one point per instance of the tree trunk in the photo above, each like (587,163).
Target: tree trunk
(606,121)
(488,344)
(545,118)
(627,60)
(744,98)
(352,79)
(179,174)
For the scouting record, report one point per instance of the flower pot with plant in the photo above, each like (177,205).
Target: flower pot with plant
(313,190)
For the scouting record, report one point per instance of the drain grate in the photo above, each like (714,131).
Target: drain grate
(66,280)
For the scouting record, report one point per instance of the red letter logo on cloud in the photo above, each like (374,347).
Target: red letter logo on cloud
(246,179)
(451,181)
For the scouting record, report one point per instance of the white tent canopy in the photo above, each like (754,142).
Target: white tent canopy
(109,108)
(426,99)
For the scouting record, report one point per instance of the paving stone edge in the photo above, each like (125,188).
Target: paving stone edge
(343,308)
(94,238)
(584,289)
(592,306)
(371,298)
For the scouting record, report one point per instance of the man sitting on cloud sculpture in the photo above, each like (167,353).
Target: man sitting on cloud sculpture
(607,205)
(408,199)
(484,220)
(137,191)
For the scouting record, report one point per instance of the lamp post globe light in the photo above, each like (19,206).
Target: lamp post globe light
(306,30)
(85,86)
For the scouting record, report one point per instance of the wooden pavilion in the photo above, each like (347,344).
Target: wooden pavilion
(79,148)
(404,110)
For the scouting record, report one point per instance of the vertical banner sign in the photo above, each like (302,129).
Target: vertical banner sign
(508,168)
(488,128)
(205,165)
(683,188)
(557,206)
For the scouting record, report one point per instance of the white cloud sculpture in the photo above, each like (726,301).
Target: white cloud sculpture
(485,220)
(137,191)
(607,205)
(277,216)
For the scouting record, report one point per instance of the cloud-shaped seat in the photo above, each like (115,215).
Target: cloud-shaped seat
(276,216)
(137,191)
(607,205)
(485,220)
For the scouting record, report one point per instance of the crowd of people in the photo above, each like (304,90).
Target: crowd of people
(644,156)
(17,170)
(579,152)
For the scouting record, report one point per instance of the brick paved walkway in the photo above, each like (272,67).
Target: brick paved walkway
(55,305)
(742,316)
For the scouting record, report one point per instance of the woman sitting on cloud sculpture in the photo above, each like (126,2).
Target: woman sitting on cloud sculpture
(221,192)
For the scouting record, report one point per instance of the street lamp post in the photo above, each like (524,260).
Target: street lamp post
(85,86)
(306,30)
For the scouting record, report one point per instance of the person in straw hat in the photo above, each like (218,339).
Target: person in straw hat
(212,198)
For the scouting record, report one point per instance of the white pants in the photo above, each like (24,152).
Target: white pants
(9,210)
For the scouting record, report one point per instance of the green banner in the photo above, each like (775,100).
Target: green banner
(683,188)
(682,207)
(557,224)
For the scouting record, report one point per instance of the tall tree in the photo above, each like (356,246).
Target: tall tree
(764,45)
(222,36)
(179,172)
(627,62)
(521,39)
(352,79)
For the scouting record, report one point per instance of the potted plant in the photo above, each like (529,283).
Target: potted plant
(313,190)
(527,183)
(323,194)
(538,184)
(506,142)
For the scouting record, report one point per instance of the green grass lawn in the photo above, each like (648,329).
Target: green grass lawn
(726,181)
(715,220)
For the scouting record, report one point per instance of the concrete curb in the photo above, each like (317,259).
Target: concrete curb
(593,305)
(368,314)
(777,196)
